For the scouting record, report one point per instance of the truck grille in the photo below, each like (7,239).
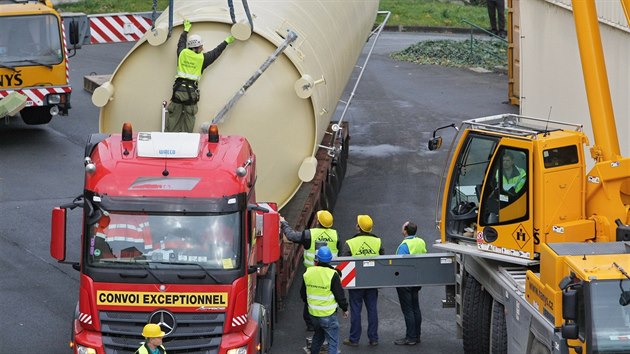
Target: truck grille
(193,333)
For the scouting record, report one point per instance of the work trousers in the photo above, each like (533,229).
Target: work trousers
(496,8)
(325,328)
(408,298)
(356,298)
(181,116)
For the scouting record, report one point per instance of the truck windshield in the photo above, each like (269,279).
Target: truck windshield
(210,240)
(611,320)
(30,40)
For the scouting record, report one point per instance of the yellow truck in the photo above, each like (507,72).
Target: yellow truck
(33,58)
(541,243)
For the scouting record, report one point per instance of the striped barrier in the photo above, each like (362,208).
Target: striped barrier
(117,28)
(35,97)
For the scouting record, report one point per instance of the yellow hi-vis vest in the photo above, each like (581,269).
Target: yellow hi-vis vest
(143,350)
(189,64)
(320,299)
(416,245)
(364,246)
(320,235)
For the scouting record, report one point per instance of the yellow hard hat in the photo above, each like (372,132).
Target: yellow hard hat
(152,330)
(365,223)
(325,218)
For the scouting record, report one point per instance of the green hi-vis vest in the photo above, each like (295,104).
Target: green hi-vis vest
(320,299)
(189,64)
(143,350)
(320,235)
(364,246)
(416,245)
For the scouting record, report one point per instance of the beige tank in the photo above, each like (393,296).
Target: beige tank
(283,121)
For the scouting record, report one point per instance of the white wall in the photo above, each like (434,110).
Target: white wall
(551,75)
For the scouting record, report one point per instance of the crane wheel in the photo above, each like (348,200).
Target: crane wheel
(477,306)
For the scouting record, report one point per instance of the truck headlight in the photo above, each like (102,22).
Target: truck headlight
(240,350)
(54,98)
(85,350)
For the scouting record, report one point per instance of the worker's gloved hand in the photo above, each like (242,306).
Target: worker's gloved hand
(187,25)
(229,39)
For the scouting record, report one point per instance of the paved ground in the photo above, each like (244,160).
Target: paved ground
(391,176)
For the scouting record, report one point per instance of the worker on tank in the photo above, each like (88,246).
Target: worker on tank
(322,292)
(153,334)
(311,239)
(191,62)
(363,244)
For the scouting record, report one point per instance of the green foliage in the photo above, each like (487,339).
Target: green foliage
(485,53)
(111,6)
(424,13)
(433,13)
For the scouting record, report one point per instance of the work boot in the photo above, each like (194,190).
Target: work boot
(350,343)
(405,341)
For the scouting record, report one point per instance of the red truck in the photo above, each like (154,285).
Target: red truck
(173,234)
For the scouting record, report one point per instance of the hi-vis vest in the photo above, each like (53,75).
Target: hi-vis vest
(129,228)
(517,181)
(143,350)
(320,235)
(189,64)
(416,245)
(320,299)
(364,246)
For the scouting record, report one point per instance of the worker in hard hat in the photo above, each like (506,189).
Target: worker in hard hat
(153,345)
(363,244)
(322,292)
(191,62)
(408,296)
(311,239)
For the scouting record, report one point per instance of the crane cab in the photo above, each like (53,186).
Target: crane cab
(514,182)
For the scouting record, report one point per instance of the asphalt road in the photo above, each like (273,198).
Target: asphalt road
(391,176)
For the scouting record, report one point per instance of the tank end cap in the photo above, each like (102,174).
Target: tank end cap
(307,169)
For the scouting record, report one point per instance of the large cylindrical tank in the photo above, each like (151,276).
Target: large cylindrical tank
(283,128)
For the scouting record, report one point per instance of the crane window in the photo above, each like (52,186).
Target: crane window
(561,156)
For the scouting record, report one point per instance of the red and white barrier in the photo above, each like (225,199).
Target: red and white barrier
(116,28)
(35,97)
(348,274)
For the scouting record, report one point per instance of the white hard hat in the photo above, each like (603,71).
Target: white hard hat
(194,41)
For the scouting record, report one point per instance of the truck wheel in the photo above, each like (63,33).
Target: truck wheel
(538,348)
(498,334)
(36,115)
(476,317)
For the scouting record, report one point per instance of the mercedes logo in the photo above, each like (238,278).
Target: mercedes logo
(164,319)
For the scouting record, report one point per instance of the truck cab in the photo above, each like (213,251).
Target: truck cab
(172,235)
(33,58)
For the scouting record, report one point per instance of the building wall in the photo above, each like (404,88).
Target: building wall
(552,84)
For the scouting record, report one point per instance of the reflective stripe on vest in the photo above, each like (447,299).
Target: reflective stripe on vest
(189,65)
(320,299)
(130,231)
(322,235)
(415,245)
(364,246)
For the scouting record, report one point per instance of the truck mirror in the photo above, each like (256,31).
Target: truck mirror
(267,227)
(570,331)
(74,33)
(271,237)
(58,234)
(569,305)
(435,143)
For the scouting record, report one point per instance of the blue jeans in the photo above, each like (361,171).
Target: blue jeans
(357,297)
(325,327)
(410,307)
